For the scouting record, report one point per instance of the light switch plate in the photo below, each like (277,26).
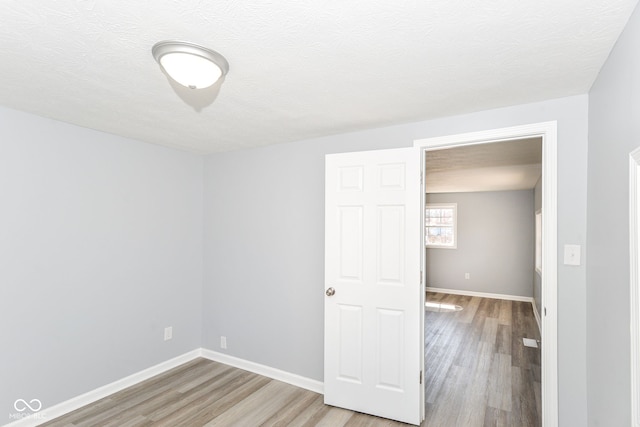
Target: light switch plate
(571,254)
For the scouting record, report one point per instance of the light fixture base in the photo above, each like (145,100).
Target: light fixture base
(189,64)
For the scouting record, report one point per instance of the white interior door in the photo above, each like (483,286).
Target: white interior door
(372,360)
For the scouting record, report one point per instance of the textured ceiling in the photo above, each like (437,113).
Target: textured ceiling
(298,69)
(499,166)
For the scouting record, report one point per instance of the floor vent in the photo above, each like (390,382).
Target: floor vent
(528,342)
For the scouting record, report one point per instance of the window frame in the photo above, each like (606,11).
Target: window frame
(453,206)
(538,241)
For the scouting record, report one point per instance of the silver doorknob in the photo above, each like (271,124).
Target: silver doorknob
(330,292)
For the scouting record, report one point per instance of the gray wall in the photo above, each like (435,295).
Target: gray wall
(614,131)
(264,241)
(495,244)
(100,249)
(537,280)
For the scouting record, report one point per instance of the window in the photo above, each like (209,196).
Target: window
(440,225)
(539,241)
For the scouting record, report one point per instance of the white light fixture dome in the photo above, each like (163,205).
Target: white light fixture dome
(189,64)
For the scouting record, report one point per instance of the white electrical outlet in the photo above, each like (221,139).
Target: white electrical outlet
(467,275)
(168,333)
(223,342)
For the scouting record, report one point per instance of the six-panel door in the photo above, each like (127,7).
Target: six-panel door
(372,261)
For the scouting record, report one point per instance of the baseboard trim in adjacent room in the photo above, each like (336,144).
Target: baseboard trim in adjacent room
(267,371)
(537,315)
(47,414)
(494,296)
(480,294)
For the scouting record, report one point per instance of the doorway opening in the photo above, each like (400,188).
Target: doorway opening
(545,134)
(479,229)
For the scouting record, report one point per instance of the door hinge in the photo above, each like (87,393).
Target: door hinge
(545,311)
(421,178)
(420,377)
(421,277)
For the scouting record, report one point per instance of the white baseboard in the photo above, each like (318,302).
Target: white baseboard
(267,371)
(47,414)
(537,314)
(480,294)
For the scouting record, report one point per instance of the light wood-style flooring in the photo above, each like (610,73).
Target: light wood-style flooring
(207,393)
(478,374)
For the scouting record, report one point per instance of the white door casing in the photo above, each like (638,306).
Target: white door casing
(548,132)
(372,261)
(634,275)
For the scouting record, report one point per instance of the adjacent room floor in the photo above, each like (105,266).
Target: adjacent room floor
(478,372)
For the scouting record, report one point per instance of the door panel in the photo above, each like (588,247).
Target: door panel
(372,261)
(391,349)
(351,244)
(350,350)
(390,244)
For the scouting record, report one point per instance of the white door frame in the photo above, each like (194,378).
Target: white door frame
(634,276)
(548,132)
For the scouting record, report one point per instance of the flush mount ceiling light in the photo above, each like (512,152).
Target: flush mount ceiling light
(189,64)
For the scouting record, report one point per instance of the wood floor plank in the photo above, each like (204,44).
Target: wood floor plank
(476,363)
(136,421)
(257,407)
(490,330)
(497,418)
(112,405)
(470,308)
(492,307)
(442,412)
(441,348)
(88,410)
(139,411)
(471,412)
(312,414)
(215,405)
(188,404)
(503,339)
(504,318)
(207,392)
(334,417)
(500,382)
(362,420)
(286,416)
(210,373)
(104,416)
